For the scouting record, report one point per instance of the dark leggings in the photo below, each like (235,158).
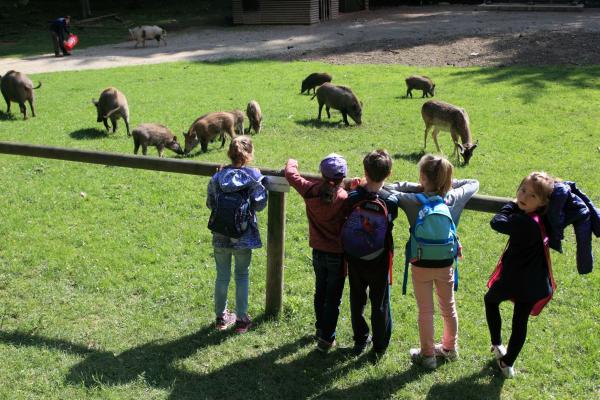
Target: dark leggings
(492,299)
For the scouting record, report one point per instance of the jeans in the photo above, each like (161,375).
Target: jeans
(371,277)
(329,286)
(492,300)
(423,281)
(242,258)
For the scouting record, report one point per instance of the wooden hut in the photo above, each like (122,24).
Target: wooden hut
(250,12)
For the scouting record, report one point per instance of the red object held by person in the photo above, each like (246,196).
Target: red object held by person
(71,42)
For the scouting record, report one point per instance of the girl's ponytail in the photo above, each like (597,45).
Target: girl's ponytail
(438,171)
(329,189)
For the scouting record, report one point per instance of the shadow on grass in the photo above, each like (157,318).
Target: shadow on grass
(381,388)
(413,157)
(268,374)
(315,123)
(88,134)
(4,116)
(485,384)
(532,82)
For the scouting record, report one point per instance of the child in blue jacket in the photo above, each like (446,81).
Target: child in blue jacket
(233,178)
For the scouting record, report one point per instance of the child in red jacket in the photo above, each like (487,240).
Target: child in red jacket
(325,199)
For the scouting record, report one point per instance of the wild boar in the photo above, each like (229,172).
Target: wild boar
(155,135)
(17,87)
(420,83)
(147,32)
(314,80)
(254,116)
(340,98)
(444,116)
(112,104)
(210,126)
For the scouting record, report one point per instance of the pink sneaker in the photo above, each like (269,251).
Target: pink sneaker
(225,320)
(243,324)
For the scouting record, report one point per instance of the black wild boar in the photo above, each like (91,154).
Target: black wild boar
(210,126)
(112,104)
(254,116)
(17,87)
(420,83)
(155,135)
(340,98)
(314,80)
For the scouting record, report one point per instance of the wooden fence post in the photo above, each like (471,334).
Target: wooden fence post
(275,253)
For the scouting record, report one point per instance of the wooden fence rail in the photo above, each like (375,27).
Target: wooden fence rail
(276,208)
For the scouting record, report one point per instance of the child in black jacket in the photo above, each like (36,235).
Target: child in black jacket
(524,273)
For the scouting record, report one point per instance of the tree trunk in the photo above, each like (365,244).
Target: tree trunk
(85,8)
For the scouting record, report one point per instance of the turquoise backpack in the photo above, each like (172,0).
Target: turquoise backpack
(433,236)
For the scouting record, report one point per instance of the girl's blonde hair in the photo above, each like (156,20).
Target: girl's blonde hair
(241,150)
(542,184)
(438,172)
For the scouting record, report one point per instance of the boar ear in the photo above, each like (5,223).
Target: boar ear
(174,138)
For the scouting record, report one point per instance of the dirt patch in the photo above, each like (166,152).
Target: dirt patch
(539,48)
(423,36)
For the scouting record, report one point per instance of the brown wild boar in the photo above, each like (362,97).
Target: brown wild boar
(210,126)
(254,116)
(155,135)
(314,80)
(112,104)
(444,116)
(340,98)
(420,83)
(17,87)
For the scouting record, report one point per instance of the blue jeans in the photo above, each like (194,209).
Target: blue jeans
(329,286)
(242,258)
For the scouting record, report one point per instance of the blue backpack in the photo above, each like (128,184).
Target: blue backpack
(433,236)
(232,214)
(364,233)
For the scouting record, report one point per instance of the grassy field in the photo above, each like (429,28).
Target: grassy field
(110,295)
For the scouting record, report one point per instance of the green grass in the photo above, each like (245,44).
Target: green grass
(24,30)
(110,295)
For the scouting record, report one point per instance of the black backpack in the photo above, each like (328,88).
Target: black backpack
(231,215)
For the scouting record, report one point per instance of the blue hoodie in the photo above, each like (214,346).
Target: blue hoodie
(231,179)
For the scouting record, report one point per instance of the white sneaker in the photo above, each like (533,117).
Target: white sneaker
(507,370)
(450,355)
(499,351)
(428,362)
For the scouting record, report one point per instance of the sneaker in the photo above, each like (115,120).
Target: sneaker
(428,362)
(243,324)
(507,370)
(225,320)
(450,355)
(360,347)
(324,346)
(498,350)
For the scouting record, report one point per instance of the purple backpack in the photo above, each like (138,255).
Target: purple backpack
(365,231)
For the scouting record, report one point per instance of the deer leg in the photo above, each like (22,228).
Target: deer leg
(435,133)
(427,127)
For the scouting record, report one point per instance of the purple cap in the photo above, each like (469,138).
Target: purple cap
(333,166)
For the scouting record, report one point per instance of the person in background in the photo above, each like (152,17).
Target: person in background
(59,30)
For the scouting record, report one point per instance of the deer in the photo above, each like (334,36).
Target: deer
(447,117)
